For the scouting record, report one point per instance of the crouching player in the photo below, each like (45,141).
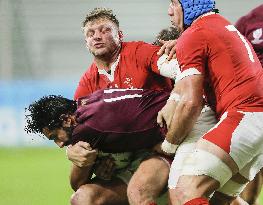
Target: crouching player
(116,121)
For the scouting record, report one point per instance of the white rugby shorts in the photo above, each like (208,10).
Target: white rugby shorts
(240,134)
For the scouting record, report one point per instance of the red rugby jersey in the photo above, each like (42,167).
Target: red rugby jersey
(118,120)
(233,74)
(137,68)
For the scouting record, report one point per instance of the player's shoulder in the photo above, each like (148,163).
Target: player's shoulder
(90,72)
(133,43)
(254,15)
(193,33)
(256,12)
(205,27)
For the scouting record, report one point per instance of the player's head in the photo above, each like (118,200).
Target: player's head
(52,116)
(184,12)
(170,33)
(102,33)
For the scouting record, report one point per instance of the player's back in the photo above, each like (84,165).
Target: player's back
(120,119)
(232,67)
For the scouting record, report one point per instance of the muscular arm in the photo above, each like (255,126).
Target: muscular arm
(186,110)
(80,176)
(83,158)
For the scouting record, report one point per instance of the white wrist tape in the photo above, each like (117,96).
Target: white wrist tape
(168,147)
(175,96)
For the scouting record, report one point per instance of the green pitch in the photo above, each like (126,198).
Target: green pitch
(35,176)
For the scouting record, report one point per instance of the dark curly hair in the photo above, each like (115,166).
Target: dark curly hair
(170,33)
(98,13)
(48,112)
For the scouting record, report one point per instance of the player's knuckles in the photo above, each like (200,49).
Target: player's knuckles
(84,152)
(161,51)
(167,51)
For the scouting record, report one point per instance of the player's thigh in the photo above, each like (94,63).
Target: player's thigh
(151,175)
(235,141)
(204,123)
(223,151)
(239,134)
(102,192)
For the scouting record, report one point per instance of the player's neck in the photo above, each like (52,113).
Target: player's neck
(106,62)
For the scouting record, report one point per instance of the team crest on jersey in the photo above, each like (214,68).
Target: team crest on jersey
(257,34)
(128,82)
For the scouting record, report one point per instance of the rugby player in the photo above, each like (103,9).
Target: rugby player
(111,121)
(119,64)
(217,61)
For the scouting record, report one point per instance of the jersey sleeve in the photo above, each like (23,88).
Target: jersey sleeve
(147,56)
(84,87)
(191,52)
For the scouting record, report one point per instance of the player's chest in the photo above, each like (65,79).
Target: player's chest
(123,76)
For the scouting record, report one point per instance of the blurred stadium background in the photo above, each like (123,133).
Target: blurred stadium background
(42,52)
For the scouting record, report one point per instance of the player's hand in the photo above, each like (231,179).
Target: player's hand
(168,48)
(104,168)
(81,154)
(165,115)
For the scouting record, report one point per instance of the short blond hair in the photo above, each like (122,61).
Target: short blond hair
(98,13)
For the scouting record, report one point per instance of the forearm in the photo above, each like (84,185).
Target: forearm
(186,114)
(80,176)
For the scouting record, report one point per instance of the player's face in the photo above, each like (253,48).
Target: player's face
(175,12)
(59,135)
(102,37)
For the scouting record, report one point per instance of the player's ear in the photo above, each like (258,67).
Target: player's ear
(66,120)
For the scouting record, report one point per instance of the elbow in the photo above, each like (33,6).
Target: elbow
(75,185)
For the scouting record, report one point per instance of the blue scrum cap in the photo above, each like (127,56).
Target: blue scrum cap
(192,9)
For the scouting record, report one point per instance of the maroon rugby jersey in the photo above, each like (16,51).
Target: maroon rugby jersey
(251,26)
(118,120)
